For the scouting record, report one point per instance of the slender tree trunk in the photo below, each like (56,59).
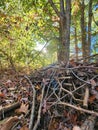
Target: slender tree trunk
(62,34)
(83,31)
(76,46)
(68,23)
(64,29)
(89,27)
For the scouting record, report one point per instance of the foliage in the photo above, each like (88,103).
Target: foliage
(26,23)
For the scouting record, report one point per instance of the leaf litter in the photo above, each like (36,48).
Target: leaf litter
(57,97)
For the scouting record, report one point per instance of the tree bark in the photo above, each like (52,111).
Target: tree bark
(64,29)
(83,31)
(62,34)
(68,22)
(89,27)
(76,46)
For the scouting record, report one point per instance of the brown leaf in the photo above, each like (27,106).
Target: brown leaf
(53,125)
(9,123)
(38,87)
(24,128)
(39,97)
(92,98)
(23,109)
(72,62)
(2,95)
(8,83)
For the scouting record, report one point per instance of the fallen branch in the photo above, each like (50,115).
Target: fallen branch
(33,104)
(86,97)
(88,57)
(9,108)
(78,108)
(39,111)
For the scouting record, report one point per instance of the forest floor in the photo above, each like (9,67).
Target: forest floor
(58,97)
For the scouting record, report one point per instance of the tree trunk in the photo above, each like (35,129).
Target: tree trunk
(68,22)
(76,46)
(83,31)
(89,27)
(62,36)
(64,29)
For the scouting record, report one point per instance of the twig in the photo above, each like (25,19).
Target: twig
(9,108)
(86,97)
(39,111)
(88,57)
(88,82)
(33,104)
(79,87)
(78,108)
(68,92)
(21,118)
(52,75)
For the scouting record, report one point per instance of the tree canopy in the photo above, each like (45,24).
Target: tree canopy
(25,24)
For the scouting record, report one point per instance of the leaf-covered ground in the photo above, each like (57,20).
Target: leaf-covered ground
(58,97)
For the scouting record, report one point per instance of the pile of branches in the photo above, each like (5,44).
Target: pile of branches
(57,97)
(65,96)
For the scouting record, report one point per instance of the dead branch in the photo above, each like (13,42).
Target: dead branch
(88,57)
(86,97)
(39,111)
(9,108)
(33,104)
(78,108)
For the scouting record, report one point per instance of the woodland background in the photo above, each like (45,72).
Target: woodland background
(30,31)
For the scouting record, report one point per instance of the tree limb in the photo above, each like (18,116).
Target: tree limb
(9,108)
(95,20)
(54,7)
(62,6)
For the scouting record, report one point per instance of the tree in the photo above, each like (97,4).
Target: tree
(83,30)
(64,16)
(38,22)
(89,27)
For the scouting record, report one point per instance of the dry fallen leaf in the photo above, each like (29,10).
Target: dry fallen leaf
(23,109)
(24,128)
(38,87)
(9,123)
(8,83)
(92,98)
(2,95)
(39,97)
(53,125)
(76,128)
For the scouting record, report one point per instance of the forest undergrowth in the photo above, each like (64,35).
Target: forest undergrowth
(56,97)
